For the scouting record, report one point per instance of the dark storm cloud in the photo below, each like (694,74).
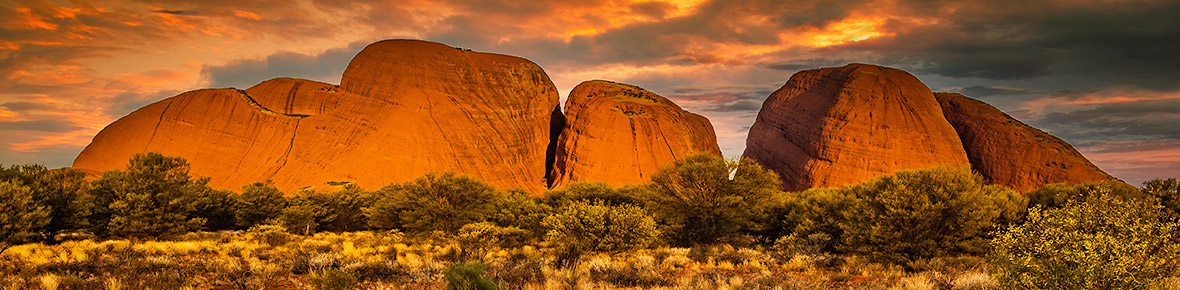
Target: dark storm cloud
(176,12)
(243,73)
(984,91)
(1100,43)
(1134,120)
(27,106)
(39,125)
(806,64)
(657,10)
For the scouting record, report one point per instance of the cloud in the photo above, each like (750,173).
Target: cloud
(22,106)
(176,12)
(40,125)
(985,91)
(327,66)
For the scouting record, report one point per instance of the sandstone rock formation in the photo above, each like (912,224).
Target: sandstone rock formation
(403,108)
(622,134)
(839,126)
(1011,153)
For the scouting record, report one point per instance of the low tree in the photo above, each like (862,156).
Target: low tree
(339,211)
(258,202)
(922,214)
(516,209)
(1100,242)
(437,201)
(60,191)
(590,191)
(217,207)
(20,215)
(1166,192)
(154,197)
(707,199)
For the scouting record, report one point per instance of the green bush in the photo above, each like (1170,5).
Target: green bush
(257,203)
(590,191)
(470,277)
(436,201)
(483,236)
(707,199)
(517,210)
(926,213)
(217,208)
(1166,192)
(20,217)
(905,217)
(594,226)
(1058,194)
(154,197)
(1102,242)
(60,191)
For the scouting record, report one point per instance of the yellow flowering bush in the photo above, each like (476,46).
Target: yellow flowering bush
(1100,243)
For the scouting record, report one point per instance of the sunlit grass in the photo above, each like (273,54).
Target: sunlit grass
(385,260)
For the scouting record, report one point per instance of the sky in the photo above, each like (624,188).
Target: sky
(1102,75)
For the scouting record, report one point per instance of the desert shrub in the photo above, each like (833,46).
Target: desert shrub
(521,267)
(486,235)
(912,215)
(20,216)
(707,199)
(639,271)
(154,197)
(347,206)
(436,201)
(257,203)
(594,226)
(270,234)
(306,213)
(60,191)
(975,281)
(1102,242)
(811,245)
(1058,194)
(216,207)
(1166,192)
(590,191)
(333,279)
(469,277)
(517,209)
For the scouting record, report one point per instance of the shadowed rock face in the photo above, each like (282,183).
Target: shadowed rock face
(622,134)
(1011,153)
(403,108)
(838,126)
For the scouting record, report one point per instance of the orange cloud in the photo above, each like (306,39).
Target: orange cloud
(247,15)
(845,31)
(28,20)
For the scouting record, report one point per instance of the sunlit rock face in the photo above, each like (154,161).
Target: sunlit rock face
(839,126)
(622,134)
(403,108)
(1011,153)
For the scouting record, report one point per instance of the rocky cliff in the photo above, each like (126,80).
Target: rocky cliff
(1011,153)
(839,126)
(622,134)
(403,108)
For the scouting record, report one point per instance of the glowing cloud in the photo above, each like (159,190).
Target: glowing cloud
(845,31)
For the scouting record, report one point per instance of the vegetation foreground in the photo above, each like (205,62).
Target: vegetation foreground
(702,223)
